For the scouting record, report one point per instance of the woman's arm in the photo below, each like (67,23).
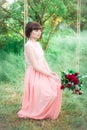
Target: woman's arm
(46,64)
(53,73)
(30,54)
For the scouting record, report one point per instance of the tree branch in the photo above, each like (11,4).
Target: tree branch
(50,15)
(16,31)
(39,18)
(22,23)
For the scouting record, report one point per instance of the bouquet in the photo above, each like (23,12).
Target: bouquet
(73,81)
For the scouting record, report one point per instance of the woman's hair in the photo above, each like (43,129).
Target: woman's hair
(30,26)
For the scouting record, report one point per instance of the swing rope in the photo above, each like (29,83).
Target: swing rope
(25,20)
(25,16)
(78,35)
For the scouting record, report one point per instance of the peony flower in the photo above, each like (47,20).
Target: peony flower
(69,85)
(68,76)
(76,74)
(75,80)
(75,92)
(62,86)
(72,81)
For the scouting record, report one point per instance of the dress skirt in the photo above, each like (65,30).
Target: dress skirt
(42,96)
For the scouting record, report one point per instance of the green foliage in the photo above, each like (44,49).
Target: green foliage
(11,43)
(41,11)
(11,23)
(56,51)
(11,67)
(71,6)
(14,45)
(49,13)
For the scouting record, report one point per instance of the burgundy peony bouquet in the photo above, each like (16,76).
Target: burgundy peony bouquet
(72,80)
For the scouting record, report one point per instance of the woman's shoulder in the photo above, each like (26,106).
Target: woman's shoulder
(27,44)
(39,44)
(35,46)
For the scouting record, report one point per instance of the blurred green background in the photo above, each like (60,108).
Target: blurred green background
(59,39)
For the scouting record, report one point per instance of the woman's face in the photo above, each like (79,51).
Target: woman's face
(36,34)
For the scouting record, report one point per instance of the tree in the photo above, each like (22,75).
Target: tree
(11,21)
(47,13)
(71,16)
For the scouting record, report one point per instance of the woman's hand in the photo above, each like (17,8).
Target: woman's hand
(55,76)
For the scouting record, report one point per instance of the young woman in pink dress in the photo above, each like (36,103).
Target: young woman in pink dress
(42,95)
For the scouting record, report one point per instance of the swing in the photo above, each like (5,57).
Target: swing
(78,29)
(78,33)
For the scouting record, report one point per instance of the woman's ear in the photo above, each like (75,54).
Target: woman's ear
(30,35)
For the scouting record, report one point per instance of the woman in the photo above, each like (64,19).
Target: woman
(42,95)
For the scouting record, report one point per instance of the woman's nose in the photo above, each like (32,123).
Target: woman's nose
(39,31)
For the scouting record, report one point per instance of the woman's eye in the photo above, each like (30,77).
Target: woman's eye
(38,30)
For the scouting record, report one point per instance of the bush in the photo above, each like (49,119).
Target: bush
(11,67)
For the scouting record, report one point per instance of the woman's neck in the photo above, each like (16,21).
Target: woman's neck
(33,40)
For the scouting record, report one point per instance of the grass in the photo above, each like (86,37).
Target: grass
(61,56)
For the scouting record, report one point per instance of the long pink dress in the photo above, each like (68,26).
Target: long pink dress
(42,95)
